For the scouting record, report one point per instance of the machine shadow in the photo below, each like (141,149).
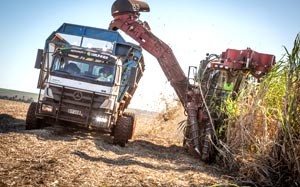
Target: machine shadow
(137,151)
(128,160)
(147,155)
(10,124)
(56,132)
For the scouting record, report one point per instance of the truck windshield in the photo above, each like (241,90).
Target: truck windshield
(95,72)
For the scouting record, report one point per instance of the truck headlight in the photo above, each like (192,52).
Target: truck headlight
(101,119)
(47,108)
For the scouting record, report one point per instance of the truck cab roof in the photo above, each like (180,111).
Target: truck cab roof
(91,38)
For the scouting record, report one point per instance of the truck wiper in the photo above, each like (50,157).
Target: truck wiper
(62,71)
(89,76)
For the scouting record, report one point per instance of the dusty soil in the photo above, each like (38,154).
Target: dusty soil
(59,156)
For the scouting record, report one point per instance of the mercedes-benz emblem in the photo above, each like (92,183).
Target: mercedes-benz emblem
(77,95)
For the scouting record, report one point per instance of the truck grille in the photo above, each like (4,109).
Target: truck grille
(76,97)
(76,105)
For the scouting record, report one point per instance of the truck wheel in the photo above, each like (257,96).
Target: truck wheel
(31,121)
(124,129)
(132,123)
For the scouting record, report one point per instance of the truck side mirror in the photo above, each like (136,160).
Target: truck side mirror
(132,76)
(39,58)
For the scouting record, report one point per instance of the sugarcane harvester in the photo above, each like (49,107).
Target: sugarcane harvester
(194,94)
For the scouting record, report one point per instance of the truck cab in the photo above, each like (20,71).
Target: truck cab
(87,77)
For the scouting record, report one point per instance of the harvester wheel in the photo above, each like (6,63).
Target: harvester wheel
(124,129)
(31,121)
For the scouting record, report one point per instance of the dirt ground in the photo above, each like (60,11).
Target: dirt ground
(59,156)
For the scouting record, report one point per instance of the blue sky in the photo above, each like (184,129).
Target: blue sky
(191,27)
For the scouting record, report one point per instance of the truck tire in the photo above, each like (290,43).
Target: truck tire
(31,121)
(132,123)
(124,129)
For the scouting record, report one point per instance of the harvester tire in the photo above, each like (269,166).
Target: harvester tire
(31,121)
(122,130)
(132,124)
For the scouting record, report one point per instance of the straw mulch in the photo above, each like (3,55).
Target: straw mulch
(57,156)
